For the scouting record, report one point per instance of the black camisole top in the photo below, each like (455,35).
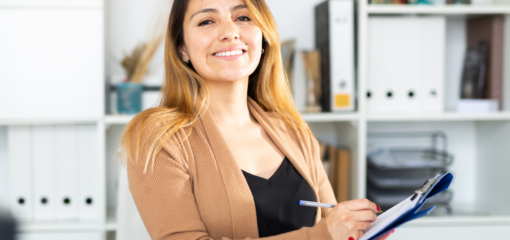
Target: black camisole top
(277,201)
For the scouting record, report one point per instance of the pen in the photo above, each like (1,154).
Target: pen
(318,204)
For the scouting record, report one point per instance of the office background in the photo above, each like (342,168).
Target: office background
(78,102)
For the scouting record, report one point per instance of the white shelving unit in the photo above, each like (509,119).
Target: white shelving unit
(472,139)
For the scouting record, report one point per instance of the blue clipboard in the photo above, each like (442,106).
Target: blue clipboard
(408,209)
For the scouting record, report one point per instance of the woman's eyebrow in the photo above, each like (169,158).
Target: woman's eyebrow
(214,10)
(240,6)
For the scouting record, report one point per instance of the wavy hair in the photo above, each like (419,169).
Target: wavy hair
(268,87)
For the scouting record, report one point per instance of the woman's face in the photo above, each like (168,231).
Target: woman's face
(221,40)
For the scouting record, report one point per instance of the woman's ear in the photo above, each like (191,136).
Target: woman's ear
(184,54)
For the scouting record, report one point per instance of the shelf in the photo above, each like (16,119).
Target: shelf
(431,9)
(329,117)
(118,119)
(448,116)
(110,226)
(48,121)
(51,4)
(460,221)
(63,226)
(308,117)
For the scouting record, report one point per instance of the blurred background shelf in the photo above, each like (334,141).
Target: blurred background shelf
(308,117)
(117,119)
(479,141)
(431,9)
(329,117)
(61,226)
(47,121)
(460,221)
(447,116)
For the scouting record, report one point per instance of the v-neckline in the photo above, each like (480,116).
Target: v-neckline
(238,193)
(279,169)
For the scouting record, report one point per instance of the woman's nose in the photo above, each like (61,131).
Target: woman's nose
(229,32)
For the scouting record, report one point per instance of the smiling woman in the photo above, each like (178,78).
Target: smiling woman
(226,155)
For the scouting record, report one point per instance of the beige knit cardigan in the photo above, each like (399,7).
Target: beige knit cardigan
(196,190)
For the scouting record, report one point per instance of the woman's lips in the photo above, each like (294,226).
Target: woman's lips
(230,55)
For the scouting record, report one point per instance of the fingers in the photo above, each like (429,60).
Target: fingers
(362,204)
(360,233)
(365,216)
(363,225)
(358,226)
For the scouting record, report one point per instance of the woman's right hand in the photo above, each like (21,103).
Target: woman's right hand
(348,220)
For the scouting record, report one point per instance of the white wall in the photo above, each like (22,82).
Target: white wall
(126,25)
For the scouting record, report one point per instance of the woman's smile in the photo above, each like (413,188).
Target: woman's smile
(230,53)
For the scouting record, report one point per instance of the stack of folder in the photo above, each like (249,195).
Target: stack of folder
(394,173)
(54,172)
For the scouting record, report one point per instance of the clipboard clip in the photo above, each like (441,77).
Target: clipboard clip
(426,187)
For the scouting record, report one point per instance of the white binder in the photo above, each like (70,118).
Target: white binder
(19,149)
(334,35)
(88,174)
(43,154)
(66,138)
(342,55)
(381,93)
(406,58)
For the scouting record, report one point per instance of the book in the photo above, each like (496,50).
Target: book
(337,166)
(343,176)
(287,49)
(474,72)
(491,31)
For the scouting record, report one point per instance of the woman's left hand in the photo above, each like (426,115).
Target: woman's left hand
(385,236)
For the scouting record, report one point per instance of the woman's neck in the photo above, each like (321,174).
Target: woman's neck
(229,104)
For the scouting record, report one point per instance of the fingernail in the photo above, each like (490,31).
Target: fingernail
(351,238)
(378,208)
(392,231)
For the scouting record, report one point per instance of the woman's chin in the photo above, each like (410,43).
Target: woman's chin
(234,77)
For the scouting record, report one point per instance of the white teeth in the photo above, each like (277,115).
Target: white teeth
(229,53)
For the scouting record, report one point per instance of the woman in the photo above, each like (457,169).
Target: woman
(226,155)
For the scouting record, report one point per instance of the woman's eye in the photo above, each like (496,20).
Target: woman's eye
(205,22)
(244,19)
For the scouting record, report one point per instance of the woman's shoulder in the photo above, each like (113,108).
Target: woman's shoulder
(152,127)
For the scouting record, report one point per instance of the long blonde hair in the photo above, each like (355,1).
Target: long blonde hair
(268,86)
